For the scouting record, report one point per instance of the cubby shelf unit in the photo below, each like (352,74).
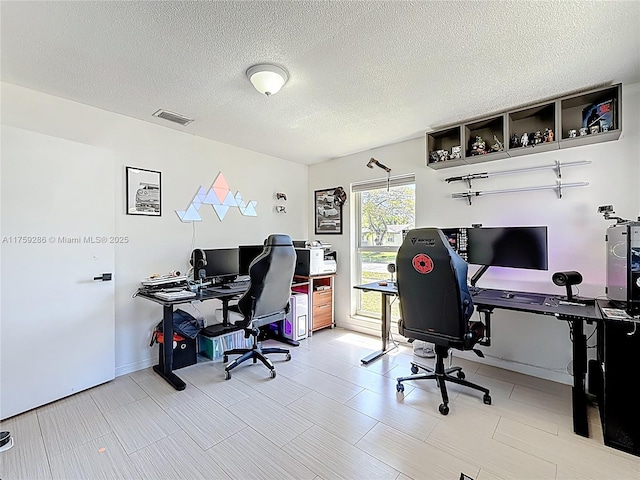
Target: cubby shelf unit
(560,115)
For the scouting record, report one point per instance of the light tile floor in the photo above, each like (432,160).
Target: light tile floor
(324,417)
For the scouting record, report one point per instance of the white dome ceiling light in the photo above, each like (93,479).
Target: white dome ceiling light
(267,79)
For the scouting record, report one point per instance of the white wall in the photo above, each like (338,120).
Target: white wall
(523,342)
(162,244)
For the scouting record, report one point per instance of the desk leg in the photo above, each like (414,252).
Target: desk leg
(579,397)
(165,367)
(386,329)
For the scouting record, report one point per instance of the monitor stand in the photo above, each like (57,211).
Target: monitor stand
(477,275)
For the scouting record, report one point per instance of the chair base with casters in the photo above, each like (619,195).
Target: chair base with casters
(442,375)
(254,353)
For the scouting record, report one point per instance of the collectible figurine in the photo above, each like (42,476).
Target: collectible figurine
(548,135)
(525,139)
(583,131)
(537,137)
(456,152)
(572,133)
(443,155)
(515,141)
(478,147)
(497,147)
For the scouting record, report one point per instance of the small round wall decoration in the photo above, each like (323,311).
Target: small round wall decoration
(422,263)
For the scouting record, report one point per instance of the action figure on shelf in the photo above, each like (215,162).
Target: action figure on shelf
(524,141)
(548,135)
(497,147)
(478,147)
(515,141)
(537,137)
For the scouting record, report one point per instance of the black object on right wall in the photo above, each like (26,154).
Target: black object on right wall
(619,414)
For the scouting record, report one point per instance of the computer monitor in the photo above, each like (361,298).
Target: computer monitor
(221,262)
(515,247)
(457,238)
(246,254)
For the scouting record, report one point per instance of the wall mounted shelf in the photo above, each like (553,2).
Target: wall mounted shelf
(557,167)
(561,115)
(557,187)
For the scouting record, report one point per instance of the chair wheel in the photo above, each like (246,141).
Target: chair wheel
(414,369)
(486,399)
(272,373)
(400,387)
(227,375)
(288,357)
(225,359)
(443,409)
(461,375)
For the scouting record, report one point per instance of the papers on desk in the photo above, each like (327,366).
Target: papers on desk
(174,295)
(163,280)
(618,314)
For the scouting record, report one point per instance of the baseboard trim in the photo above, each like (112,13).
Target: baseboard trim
(134,367)
(364,326)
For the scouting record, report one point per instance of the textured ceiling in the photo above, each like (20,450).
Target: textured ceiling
(362,74)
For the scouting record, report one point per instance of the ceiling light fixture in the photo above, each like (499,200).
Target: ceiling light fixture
(267,79)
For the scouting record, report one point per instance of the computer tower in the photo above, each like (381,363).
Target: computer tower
(295,323)
(619,355)
(623,265)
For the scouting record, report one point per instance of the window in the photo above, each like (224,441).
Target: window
(383,210)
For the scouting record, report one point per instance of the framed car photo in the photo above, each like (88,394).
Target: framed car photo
(328,212)
(144,194)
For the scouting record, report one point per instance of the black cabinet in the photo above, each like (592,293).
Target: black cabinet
(619,354)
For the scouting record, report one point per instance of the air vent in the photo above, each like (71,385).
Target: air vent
(173,117)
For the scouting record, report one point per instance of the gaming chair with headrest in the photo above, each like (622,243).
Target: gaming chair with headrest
(435,305)
(266,300)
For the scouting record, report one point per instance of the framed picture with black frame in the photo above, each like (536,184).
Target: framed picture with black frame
(144,192)
(328,212)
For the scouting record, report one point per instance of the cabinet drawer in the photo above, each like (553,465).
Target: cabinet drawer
(322,297)
(322,316)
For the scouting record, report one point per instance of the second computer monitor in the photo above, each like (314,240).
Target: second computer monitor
(221,262)
(246,254)
(515,247)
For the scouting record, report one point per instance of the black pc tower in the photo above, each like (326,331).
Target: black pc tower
(623,266)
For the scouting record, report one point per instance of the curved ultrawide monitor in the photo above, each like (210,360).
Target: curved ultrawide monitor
(515,247)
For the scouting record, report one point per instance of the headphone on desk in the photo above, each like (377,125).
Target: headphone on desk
(198,259)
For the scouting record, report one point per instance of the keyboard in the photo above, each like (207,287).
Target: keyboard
(235,285)
(179,295)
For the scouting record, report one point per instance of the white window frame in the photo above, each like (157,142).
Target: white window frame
(356,189)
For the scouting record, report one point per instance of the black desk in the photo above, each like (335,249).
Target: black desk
(389,290)
(164,368)
(487,300)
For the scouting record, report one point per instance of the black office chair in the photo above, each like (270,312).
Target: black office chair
(436,306)
(266,300)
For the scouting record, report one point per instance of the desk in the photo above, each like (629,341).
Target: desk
(389,290)
(164,368)
(487,300)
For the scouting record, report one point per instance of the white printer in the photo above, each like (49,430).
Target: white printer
(315,258)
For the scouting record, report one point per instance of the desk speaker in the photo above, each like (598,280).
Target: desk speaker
(566,279)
